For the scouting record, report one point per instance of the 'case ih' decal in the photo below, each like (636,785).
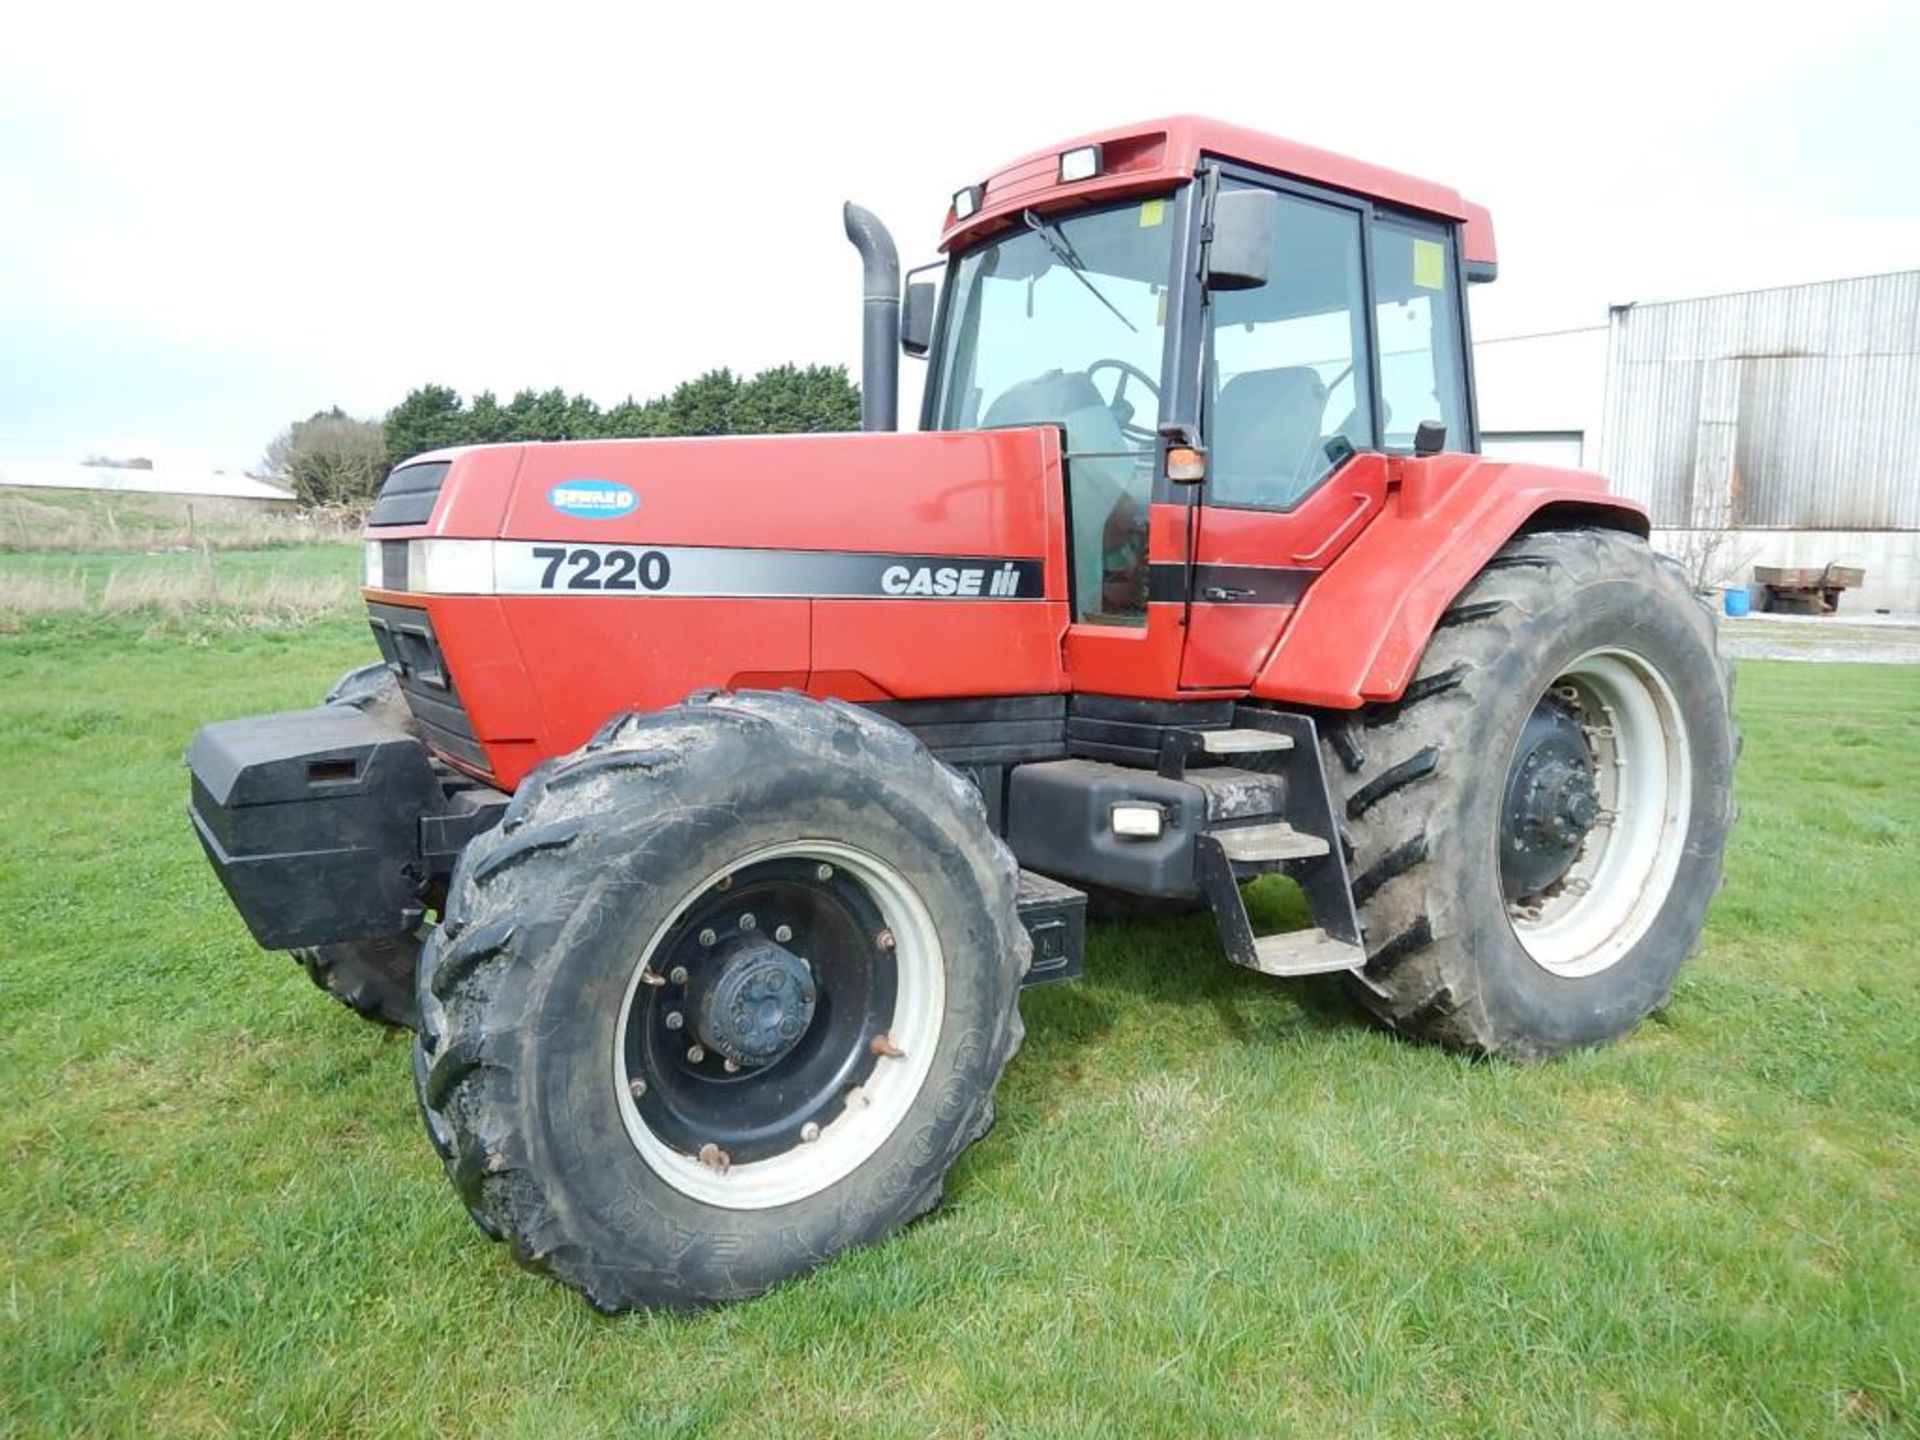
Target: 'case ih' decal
(592,499)
(532,567)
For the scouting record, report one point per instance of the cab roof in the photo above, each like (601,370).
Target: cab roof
(1156,154)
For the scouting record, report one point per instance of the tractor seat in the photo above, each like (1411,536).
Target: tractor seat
(1266,425)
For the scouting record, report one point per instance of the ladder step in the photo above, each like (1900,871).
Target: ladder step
(1255,844)
(1236,794)
(1305,952)
(1243,742)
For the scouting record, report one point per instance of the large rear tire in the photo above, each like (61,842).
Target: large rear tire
(373,978)
(725,993)
(1536,828)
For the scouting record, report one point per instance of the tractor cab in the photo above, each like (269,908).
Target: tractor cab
(1231,333)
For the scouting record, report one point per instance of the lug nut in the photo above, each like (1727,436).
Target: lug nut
(696,1054)
(825,872)
(747,922)
(809,1132)
(730,1065)
(678,974)
(638,1088)
(884,940)
(707,937)
(675,1020)
(783,933)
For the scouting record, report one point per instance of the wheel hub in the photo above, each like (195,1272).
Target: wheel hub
(1551,802)
(756,1005)
(760,1013)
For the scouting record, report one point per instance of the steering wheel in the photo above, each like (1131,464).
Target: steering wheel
(1128,373)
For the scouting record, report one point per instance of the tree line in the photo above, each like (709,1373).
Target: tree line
(331,458)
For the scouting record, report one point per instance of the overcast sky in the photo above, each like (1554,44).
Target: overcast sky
(214,221)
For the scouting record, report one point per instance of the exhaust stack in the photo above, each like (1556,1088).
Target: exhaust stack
(880,322)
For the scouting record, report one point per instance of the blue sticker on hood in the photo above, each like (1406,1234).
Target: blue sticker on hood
(592,499)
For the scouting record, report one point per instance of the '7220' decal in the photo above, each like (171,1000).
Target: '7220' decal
(602,568)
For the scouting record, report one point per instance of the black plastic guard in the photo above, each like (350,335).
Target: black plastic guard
(312,821)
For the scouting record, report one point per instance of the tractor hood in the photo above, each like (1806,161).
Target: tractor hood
(793,501)
(523,593)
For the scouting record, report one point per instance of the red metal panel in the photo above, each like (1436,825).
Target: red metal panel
(917,649)
(1359,633)
(585,659)
(1228,643)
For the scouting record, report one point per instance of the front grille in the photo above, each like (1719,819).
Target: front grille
(408,645)
(409,494)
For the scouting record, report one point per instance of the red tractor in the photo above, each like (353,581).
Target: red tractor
(724,793)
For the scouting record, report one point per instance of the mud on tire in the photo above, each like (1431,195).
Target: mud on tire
(532,997)
(1423,783)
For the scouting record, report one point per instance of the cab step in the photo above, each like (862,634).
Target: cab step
(1243,742)
(1305,952)
(1269,843)
(1303,843)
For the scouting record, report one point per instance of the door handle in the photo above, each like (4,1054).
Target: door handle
(1224,592)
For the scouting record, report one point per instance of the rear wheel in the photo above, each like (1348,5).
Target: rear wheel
(726,993)
(1537,827)
(371,977)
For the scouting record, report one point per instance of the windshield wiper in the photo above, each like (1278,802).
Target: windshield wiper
(1064,252)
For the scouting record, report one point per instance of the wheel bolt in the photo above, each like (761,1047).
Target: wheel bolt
(825,872)
(783,933)
(675,1020)
(731,1066)
(809,1132)
(678,975)
(747,922)
(638,1088)
(707,937)
(696,1054)
(884,940)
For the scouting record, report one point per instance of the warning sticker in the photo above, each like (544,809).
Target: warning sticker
(1429,265)
(1152,212)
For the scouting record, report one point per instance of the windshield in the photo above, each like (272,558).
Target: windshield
(1064,322)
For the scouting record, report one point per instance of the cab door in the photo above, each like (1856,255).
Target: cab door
(1296,426)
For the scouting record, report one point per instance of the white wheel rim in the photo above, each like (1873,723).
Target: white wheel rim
(887,1094)
(1590,920)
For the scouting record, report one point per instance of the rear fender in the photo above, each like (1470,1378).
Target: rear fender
(1362,626)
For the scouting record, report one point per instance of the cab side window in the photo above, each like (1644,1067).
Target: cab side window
(1417,311)
(1291,384)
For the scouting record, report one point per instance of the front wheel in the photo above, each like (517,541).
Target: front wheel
(1538,825)
(724,994)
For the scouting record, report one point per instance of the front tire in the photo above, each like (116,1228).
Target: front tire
(374,978)
(725,994)
(1537,826)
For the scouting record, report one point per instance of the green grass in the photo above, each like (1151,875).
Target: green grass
(1213,1204)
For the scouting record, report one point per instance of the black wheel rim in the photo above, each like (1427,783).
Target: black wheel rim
(724,1073)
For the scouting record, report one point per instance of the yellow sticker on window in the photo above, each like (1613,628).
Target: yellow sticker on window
(1429,265)
(1152,212)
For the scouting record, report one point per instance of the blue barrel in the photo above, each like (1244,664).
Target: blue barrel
(1739,602)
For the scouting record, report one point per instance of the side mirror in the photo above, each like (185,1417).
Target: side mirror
(1240,256)
(916,318)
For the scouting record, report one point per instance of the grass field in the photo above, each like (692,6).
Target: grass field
(1214,1203)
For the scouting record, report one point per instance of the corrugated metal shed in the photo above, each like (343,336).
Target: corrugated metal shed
(1796,408)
